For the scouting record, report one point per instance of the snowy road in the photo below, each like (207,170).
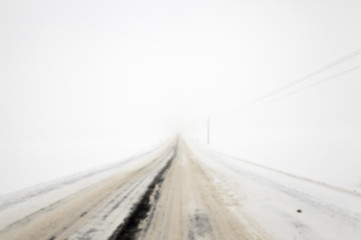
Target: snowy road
(183,191)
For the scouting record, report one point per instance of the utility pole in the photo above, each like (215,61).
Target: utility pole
(208,130)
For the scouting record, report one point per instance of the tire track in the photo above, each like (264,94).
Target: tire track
(130,228)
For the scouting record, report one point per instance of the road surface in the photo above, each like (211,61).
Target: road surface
(177,192)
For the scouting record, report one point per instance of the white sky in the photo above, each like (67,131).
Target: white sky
(80,68)
(74,69)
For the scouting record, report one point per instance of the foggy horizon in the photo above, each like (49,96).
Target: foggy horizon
(180,120)
(87,75)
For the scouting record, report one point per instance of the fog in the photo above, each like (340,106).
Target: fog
(100,81)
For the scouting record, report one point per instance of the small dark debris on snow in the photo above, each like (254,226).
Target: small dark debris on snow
(299,210)
(83,214)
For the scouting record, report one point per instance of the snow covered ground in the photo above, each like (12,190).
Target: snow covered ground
(46,204)
(286,206)
(200,194)
(28,163)
(326,154)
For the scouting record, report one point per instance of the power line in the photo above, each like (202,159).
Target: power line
(304,78)
(309,86)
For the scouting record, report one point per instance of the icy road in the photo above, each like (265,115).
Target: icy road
(182,191)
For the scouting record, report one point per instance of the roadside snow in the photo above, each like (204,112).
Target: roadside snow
(286,206)
(27,163)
